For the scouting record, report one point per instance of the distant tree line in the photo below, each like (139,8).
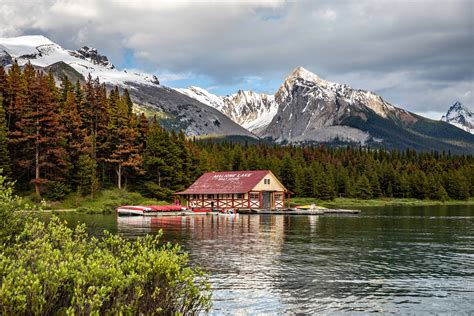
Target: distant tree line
(326,173)
(84,138)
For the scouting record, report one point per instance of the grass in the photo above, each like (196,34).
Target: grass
(105,203)
(349,202)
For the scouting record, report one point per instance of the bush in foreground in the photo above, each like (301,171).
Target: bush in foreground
(52,268)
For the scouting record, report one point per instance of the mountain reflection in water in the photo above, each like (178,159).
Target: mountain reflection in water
(387,260)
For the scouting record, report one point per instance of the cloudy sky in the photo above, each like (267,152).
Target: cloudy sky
(417,54)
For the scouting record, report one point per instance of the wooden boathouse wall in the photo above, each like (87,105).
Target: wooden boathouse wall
(236,190)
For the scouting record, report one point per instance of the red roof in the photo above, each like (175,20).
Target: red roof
(226,182)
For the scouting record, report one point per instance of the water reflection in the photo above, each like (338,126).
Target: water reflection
(387,260)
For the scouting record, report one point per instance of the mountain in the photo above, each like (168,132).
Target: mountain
(311,109)
(175,110)
(305,109)
(460,116)
(308,109)
(253,111)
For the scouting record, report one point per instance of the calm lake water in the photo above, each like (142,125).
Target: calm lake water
(386,260)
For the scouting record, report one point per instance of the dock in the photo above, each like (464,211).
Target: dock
(260,211)
(295,211)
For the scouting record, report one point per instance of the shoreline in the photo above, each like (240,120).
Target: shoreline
(347,202)
(336,203)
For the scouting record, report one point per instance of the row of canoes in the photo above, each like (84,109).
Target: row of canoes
(137,210)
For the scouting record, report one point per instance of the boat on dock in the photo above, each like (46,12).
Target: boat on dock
(178,210)
(139,210)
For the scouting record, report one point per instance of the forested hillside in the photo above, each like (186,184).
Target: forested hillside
(56,139)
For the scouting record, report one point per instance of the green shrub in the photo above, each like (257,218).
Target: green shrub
(56,269)
(57,191)
(52,269)
(11,219)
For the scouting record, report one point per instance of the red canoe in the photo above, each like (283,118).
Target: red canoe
(141,210)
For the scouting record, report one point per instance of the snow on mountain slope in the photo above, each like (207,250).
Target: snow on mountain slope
(313,110)
(460,116)
(42,52)
(253,111)
(203,96)
(308,105)
(174,110)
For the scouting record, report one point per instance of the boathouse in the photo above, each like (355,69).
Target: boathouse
(258,189)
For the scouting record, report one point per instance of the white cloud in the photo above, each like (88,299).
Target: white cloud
(417,54)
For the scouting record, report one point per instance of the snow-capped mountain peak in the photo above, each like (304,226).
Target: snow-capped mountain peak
(251,110)
(460,116)
(203,96)
(42,52)
(306,75)
(92,55)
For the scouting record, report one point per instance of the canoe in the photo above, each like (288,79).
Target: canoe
(134,210)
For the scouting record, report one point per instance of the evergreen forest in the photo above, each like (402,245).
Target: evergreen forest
(68,137)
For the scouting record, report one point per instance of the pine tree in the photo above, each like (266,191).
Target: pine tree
(418,185)
(307,183)
(401,185)
(125,151)
(287,173)
(187,169)
(41,131)
(3,81)
(440,193)
(237,159)
(128,102)
(5,166)
(87,182)
(14,98)
(374,184)
(253,161)
(161,162)
(66,86)
(143,127)
(324,186)
(363,189)
(457,185)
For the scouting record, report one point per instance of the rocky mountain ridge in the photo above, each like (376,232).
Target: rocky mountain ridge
(253,111)
(460,116)
(308,109)
(305,109)
(173,109)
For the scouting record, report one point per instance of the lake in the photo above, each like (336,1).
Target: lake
(385,260)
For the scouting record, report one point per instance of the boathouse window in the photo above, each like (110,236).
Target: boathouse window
(210,196)
(254,196)
(266,181)
(279,197)
(240,196)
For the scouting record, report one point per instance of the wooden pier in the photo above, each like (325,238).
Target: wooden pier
(260,211)
(295,211)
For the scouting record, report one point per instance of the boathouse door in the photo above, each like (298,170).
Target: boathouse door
(266,199)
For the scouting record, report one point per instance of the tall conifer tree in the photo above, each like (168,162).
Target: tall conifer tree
(4,154)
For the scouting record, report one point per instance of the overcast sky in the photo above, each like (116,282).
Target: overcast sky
(419,55)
